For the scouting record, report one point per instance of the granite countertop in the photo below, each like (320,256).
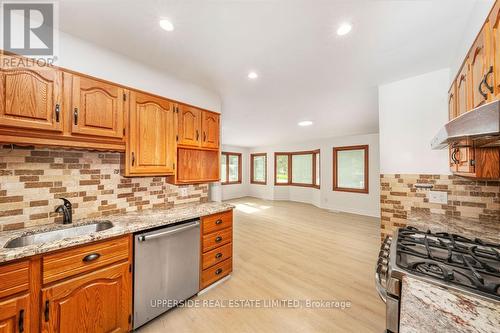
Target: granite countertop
(123,224)
(467,227)
(426,307)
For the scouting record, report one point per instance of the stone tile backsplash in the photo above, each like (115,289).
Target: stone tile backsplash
(467,199)
(32,180)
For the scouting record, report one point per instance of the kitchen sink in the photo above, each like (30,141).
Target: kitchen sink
(54,235)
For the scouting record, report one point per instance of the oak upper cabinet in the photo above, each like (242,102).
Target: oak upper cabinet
(210,130)
(31,97)
(151,136)
(15,314)
(452,102)
(462,90)
(97,108)
(189,125)
(494,25)
(464,156)
(95,302)
(479,62)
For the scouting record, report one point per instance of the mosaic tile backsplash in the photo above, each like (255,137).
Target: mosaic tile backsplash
(32,180)
(467,199)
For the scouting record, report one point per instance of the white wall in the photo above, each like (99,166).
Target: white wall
(325,197)
(411,112)
(87,58)
(478,15)
(237,190)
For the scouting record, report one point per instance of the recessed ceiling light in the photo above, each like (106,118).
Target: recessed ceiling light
(252,75)
(305,123)
(166,25)
(344,29)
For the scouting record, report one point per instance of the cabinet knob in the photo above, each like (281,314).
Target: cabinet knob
(218,255)
(219,221)
(218,271)
(218,239)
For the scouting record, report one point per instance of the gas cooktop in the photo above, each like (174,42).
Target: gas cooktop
(470,264)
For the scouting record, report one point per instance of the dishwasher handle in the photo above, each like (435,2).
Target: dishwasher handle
(169,232)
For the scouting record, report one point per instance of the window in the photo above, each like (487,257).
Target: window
(258,168)
(297,169)
(350,169)
(230,168)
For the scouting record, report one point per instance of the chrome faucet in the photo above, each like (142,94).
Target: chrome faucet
(66,210)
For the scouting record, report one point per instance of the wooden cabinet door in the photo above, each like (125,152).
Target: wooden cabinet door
(465,157)
(15,315)
(210,130)
(452,102)
(151,142)
(479,65)
(494,21)
(97,108)
(100,301)
(463,95)
(31,98)
(189,126)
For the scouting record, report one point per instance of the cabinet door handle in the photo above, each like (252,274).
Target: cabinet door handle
(218,271)
(197,135)
(57,112)
(204,136)
(75,116)
(46,310)
(218,239)
(133,158)
(21,321)
(91,257)
(219,221)
(218,255)
(485,80)
(453,156)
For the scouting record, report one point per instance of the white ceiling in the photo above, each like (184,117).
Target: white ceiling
(306,71)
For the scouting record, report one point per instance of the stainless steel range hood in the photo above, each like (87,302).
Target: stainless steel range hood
(482,125)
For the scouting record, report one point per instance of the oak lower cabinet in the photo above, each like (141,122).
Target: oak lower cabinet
(15,314)
(151,136)
(216,248)
(30,96)
(96,302)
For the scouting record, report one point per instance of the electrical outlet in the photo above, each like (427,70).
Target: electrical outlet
(183,191)
(438,197)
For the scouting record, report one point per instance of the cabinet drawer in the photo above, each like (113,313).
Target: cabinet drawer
(216,239)
(217,255)
(214,273)
(85,258)
(14,278)
(217,222)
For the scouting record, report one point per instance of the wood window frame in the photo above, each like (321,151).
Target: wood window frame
(364,190)
(290,155)
(226,156)
(252,181)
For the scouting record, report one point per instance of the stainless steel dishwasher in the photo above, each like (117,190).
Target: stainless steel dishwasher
(166,268)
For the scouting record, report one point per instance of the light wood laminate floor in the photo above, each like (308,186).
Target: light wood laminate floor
(291,251)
